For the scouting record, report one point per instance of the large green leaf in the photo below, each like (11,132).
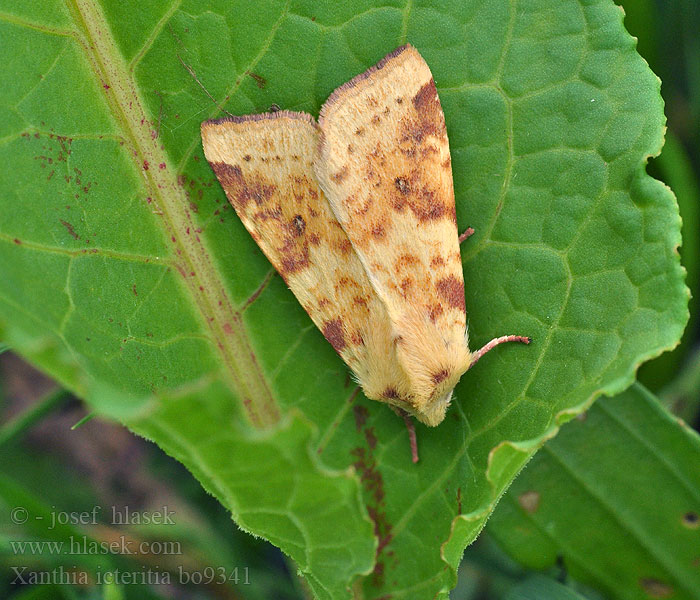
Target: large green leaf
(617,496)
(128,278)
(538,587)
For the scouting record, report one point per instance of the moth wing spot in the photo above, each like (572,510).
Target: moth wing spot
(451,290)
(299,225)
(390,393)
(440,376)
(378,231)
(435,311)
(333,332)
(437,261)
(401,184)
(340,175)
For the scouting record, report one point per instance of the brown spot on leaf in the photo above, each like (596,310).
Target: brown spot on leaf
(451,290)
(655,588)
(314,239)
(529,501)
(247,157)
(360,131)
(373,484)
(691,520)
(375,120)
(351,149)
(333,332)
(260,81)
(371,438)
(361,415)
(70,229)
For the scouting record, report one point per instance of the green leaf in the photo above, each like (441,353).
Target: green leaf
(129,279)
(676,170)
(682,395)
(538,587)
(617,495)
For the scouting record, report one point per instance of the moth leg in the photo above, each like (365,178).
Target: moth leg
(468,232)
(495,342)
(411,431)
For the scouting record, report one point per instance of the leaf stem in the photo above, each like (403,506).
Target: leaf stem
(17,426)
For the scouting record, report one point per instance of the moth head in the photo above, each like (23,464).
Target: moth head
(434,411)
(431,408)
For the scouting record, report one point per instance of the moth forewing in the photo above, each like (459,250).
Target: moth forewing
(384,164)
(264,164)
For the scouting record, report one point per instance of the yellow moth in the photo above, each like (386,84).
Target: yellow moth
(357,213)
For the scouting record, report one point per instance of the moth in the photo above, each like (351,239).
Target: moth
(357,214)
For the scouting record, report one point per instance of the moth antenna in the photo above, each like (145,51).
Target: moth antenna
(495,342)
(468,232)
(411,434)
(190,70)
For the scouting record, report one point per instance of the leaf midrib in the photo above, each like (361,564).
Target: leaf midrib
(242,371)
